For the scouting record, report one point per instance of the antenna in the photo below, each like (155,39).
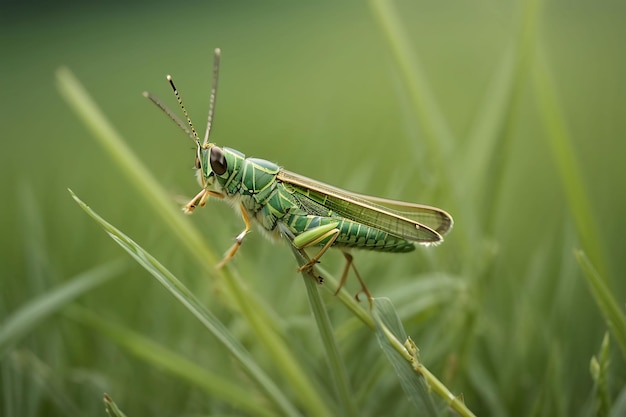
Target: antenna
(170,114)
(216,73)
(182,106)
(191,133)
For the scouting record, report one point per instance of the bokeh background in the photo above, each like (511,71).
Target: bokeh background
(318,88)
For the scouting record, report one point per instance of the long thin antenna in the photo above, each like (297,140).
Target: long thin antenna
(182,106)
(192,133)
(171,115)
(216,72)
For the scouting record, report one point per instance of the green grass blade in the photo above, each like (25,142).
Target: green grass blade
(253,311)
(609,306)
(416,379)
(335,362)
(30,315)
(193,305)
(164,359)
(331,284)
(111,408)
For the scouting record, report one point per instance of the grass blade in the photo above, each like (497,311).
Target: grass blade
(335,363)
(191,303)
(416,380)
(248,304)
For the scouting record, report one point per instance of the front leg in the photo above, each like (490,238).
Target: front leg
(200,200)
(238,240)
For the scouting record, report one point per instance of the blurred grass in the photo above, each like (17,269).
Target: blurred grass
(319,90)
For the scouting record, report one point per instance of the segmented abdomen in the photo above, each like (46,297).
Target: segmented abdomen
(351,234)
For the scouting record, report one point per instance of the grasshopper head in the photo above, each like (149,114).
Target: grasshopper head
(217,166)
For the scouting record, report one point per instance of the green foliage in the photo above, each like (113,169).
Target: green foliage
(507,115)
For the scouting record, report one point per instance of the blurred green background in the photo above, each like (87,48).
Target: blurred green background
(316,87)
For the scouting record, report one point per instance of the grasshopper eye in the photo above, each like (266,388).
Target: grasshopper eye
(217,161)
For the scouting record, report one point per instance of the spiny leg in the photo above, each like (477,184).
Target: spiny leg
(344,277)
(200,200)
(233,249)
(331,232)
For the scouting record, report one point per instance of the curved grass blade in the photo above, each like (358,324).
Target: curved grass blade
(198,310)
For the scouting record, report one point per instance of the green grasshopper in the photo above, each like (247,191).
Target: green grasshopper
(306,212)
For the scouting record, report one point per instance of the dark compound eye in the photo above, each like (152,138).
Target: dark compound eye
(217,161)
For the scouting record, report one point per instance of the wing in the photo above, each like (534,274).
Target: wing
(433,217)
(413,222)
